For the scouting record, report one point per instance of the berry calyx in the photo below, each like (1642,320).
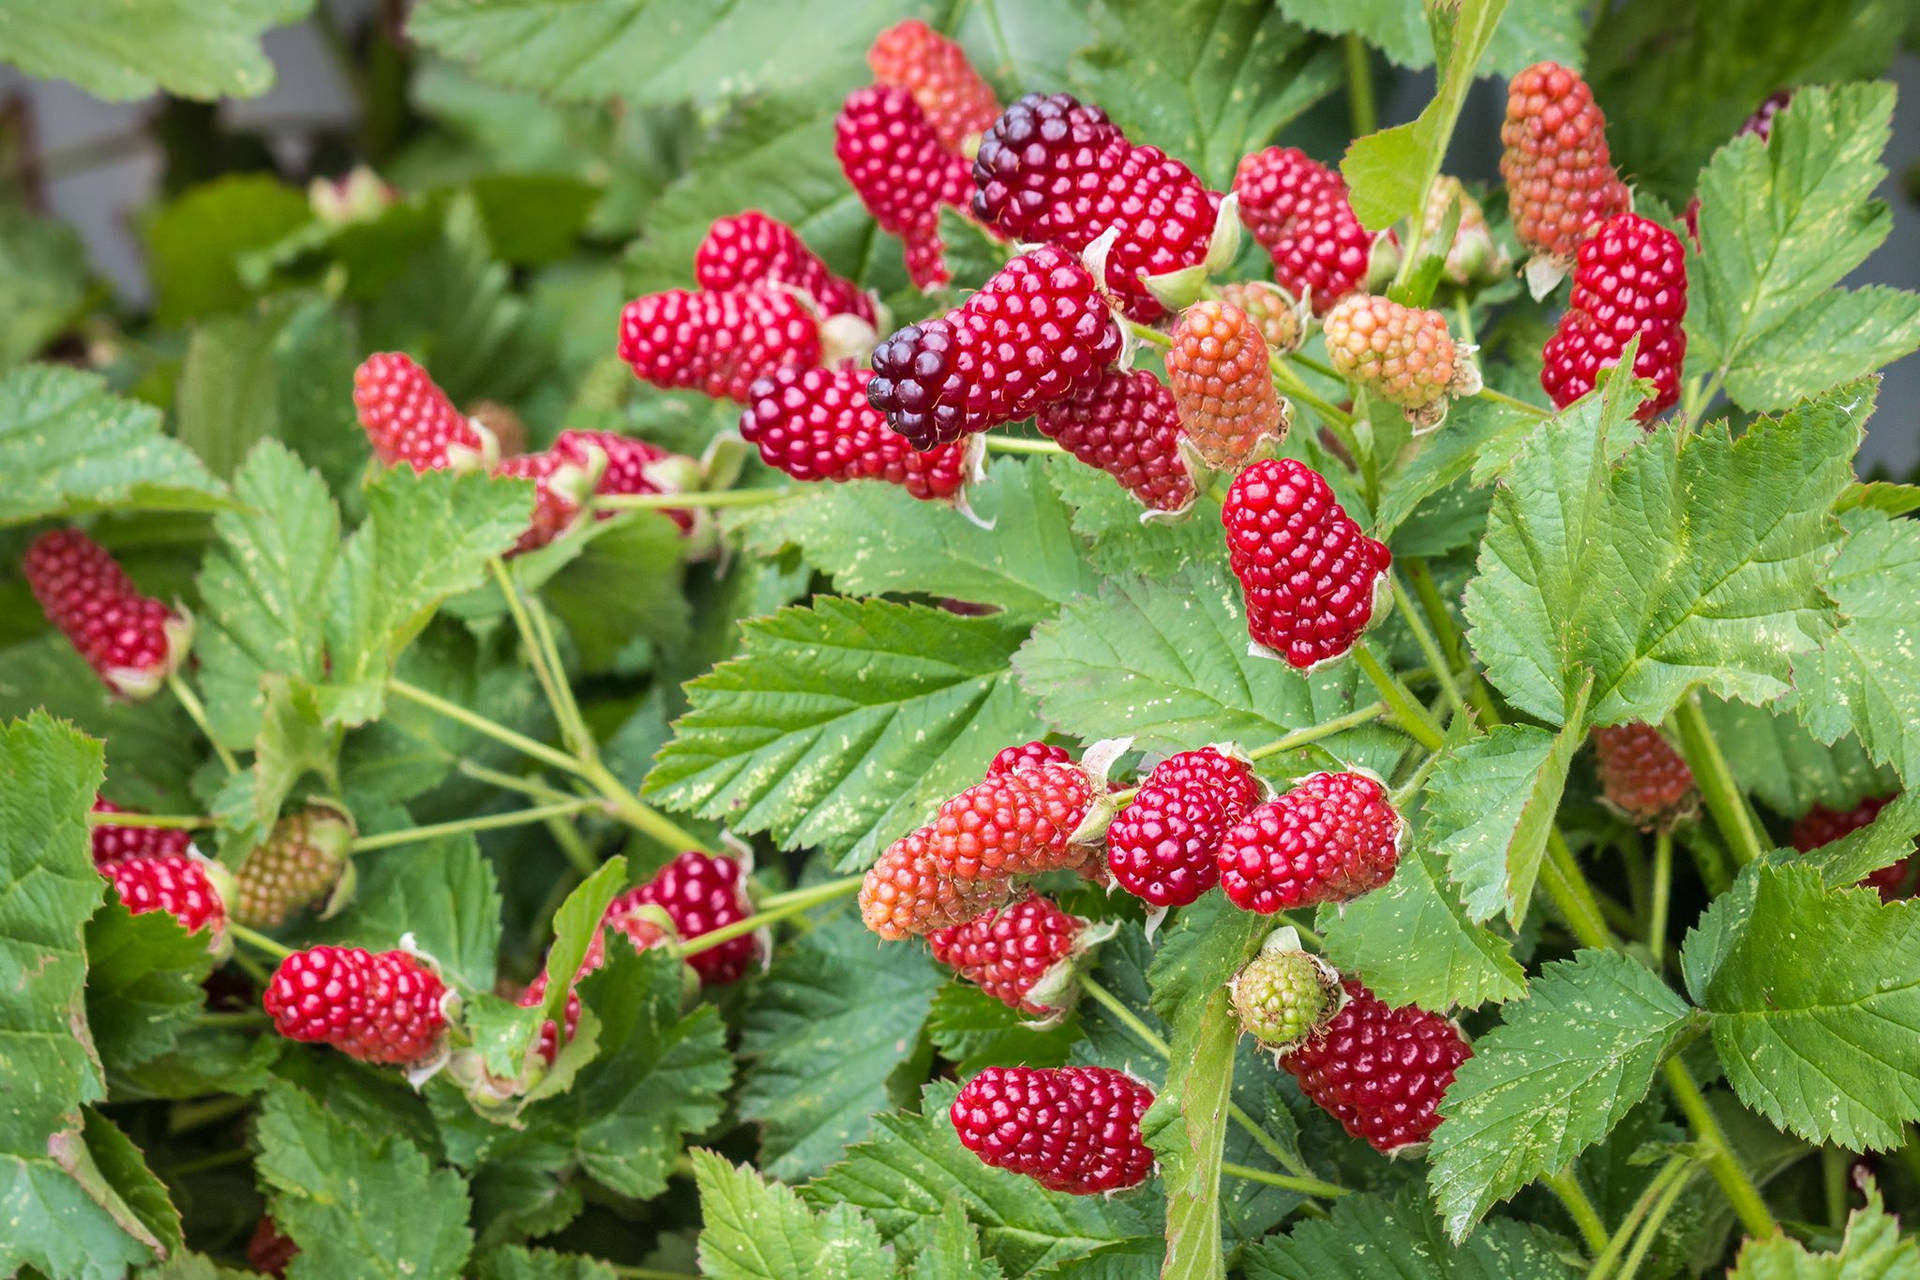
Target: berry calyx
(1014,955)
(116,843)
(1821,825)
(409,419)
(299,864)
(936,71)
(1308,574)
(1642,776)
(1217,371)
(175,883)
(1380,1072)
(1071,1129)
(718,342)
(1127,425)
(700,893)
(1036,333)
(1020,822)
(1331,838)
(817,424)
(1297,209)
(133,642)
(1284,997)
(1630,278)
(1161,847)
(1559,174)
(751,248)
(383,1007)
(906,894)
(1404,355)
(894,160)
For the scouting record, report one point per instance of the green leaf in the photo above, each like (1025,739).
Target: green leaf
(1659,561)
(1862,680)
(1205,80)
(914,1167)
(442,892)
(1886,840)
(951,1248)
(1119,544)
(624,584)
(263,589)
(516,1262)
(974,1030)
(1821,1036)
(1785,766)
(148,768)
(1490,808)
(1166,663)
(1475,430)
(195,242)
(1549,1082)
(875,538)
(1369,1237)
(1872,1247)
(576,924)
(754,1229)
(427,536)
(293,742)
(143,983)
(827,1027)
(890,707)
(68,448)
(43,272)
(357,1204)
(123,1168)
(1532,32)
(193,48)
(1781,223)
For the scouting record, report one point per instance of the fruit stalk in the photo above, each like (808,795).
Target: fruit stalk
(488,822)
(1717,787)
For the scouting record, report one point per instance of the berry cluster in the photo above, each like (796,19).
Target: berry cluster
(1284,997)
(1072,1129)
(936,71)
(133,642)
(894,160)
(817,424)
(1297,209)
(750,248)
(409,419)
(176,883)
(1630,279)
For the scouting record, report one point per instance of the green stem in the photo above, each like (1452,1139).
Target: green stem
(1834,1164)
(258,941)
(1574,1198)
(643,818)
(698,498)
(198,1113)
(1662,894)
(583,744)
(212,1160)
(1360,107)
(535,787)
(792,905)
(1720,1160)
(810,893)
(1292,385)
(1013,444)
(1317,732)
(1436,657)
(1405,792)
(168,821)
(1307,362)
(1725,801)
(1501,397)
(573,845)
(1435,609)
(1147,334)
(480,724)
(1651,1230)
(1463,313)
(1708,861)
(552,680)
(645,1273)
(1305,1186)
(487,822)
(1564,882)
(190,702)
(1675,1169)
(1411,716)
(236,1018)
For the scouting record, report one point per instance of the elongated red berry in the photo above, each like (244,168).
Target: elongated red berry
(1014,823)
(1217,369)
(1009,953)
(1331,838)
(816,424)
(409,419)
(1128,425)
(1380,1072)
(1641,775)
(701,893)
(1284,997)
(175,883)
(296,867)
(750,248)
(905,894)
(116,843)
(717,342)
(1630,278)
(1054,170)
(1072,1129)
(1297,209)
(1404,355)
(1161,847)
(1559,174)
(936,71)
(894,161)
(380,1007)
(1307,572)
(132,642)
(1821,825)
(1036,333)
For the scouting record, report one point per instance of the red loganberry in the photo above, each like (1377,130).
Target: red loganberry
(894,161)
(1404,355)
(1036,333)
(640,928)
(751,248)
(175,883)
(1331,838)
(816,424)
(1161,847)
(719,342)
(700,893)
(409,419)
(1128,425)
(1820,826)
(1007,759)
(905,895)
(299,863)
(936,71)
(132,642)
(1641,775)
(1053,170)
(1380,1072)
(1307,571)
(1297,209)
(561,488)
(632,466)
(113,844)
(1008,953)
(1217,368)
(1072,1129)
(269,1252)
(1630,278)
(1015,823)
(380,1007)
(1559,175)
